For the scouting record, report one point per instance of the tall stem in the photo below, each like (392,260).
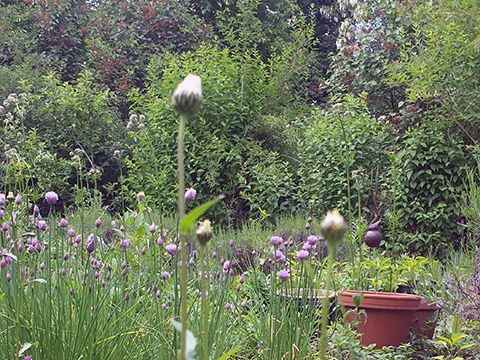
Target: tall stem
(183,249)
(204,265)
(326,303)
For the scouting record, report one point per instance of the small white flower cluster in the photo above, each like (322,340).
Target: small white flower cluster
(136,121)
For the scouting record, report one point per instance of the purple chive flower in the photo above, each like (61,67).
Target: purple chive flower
(71,233)
(20,247)
(276,241)
(98,223)
(190,194)
(214,255)
(114,224)
(63,272)
(226,267)
(158,294)
(3,263)
(18,199)
(27,357)
(30,249)
(242,279)
(312,239)
(2,199)
(279,256)
(42,266)
(307,246)
(90,245)
(244,304)
(41,225)
(165,275)
(37,246)
(153,228)
(51,198)
(302,255)
(283,275)
(124,244)
(8,277)
(228,306)
(2,214)
(171,248)
(36,210)
(4,227)
(63,223)
(78,239)
(232,243)
(143,251)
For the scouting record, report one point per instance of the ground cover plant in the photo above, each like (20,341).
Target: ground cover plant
(232,180)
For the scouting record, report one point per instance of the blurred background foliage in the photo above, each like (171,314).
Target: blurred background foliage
(368,106)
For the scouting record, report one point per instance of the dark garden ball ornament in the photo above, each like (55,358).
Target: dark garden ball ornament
(373,236)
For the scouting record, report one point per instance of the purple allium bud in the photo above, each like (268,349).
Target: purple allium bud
(158,294)
(114,224)
(143,251)
(124,264)
(122,228)
(2,214)
(302,255)
(226,267)
(3,263)
(242,279)
(276,241)
(231,243)
(41,225)
(98,223)
(63,223)
(153,228)
(279,256)
(312,239)
(190,194)
(2,199)
(214,255)
(283,275)
(65,256)
(30,249)
(90,245)
(124,244)
(18,199)
(42,266)
(127,296)
(51,198)
(20,247)
(87,272)
(228,306)
(238,288)
(165,275)
(171,248)
(164,306)
(96,275)
(244,304)
(71,233)
(8,277)
(160,240)
(4,227)
(37,246)
(63,272)
(36,210)
(78,239)
(27,357)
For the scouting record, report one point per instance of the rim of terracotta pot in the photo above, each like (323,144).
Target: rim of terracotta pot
(429,306)
(381,300)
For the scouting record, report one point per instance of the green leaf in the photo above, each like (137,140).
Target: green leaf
(195,214)
(230,353)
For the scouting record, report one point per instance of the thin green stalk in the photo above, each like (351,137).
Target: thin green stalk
(326,303)
(204,270)
(183,250)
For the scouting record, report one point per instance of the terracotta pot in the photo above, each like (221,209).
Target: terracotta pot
(388,316)
(425,319)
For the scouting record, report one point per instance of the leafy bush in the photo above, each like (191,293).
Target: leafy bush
(220,140)
(344,150)
(432,167)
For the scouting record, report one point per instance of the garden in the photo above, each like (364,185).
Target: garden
(250,179)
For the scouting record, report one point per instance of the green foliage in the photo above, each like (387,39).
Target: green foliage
(220,140)
(439,61)
(344,151)
(432,167)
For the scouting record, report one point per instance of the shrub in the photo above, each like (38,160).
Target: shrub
(344,150)
(432,167)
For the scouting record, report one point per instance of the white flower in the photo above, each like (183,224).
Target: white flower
(333,226)
(187,98)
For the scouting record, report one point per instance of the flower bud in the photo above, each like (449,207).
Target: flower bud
(204,232)
(333,227)
(187,98)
